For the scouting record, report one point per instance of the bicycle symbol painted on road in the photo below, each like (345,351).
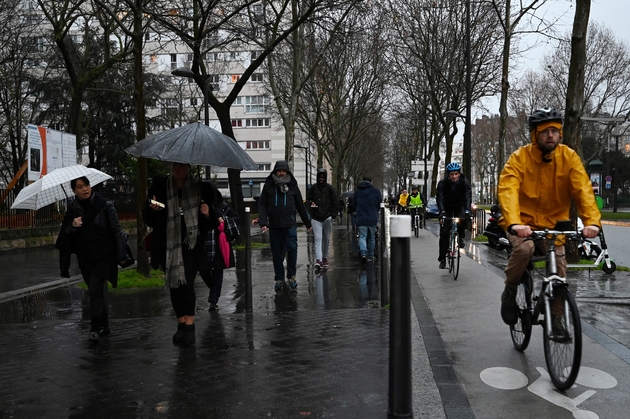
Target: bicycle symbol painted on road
(510,379)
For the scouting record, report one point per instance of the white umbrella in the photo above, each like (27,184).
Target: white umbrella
(55,186)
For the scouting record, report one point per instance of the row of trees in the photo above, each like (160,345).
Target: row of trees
(365,82)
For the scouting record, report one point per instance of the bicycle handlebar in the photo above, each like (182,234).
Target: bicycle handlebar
(569,234)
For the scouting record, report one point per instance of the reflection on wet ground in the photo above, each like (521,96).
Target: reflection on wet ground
(348,284)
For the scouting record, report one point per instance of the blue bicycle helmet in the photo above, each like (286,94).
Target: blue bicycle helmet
(453,167)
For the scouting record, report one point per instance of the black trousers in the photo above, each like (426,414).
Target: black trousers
(97,290)
(183,297)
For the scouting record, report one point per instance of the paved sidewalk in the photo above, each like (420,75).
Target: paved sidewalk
(322,353)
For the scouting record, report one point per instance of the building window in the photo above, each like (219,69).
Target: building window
(193,101)
(256,104)
(235,77)
(257,77)
(264,167)
(173,61)
(237,123)
(257,145)
(254,54)
(257,122)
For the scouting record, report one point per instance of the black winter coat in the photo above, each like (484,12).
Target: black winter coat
(157,221)
(454,199)
(100,243)
(325,197)
(277,209)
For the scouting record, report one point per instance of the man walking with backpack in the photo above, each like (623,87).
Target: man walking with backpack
(324,206)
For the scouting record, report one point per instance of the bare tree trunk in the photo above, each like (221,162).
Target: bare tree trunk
(141,132)
(575,91)
(505,86)
(575,94)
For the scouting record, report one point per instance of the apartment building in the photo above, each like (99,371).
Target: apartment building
(257,129)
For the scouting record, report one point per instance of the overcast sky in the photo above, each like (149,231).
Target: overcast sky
(614,14)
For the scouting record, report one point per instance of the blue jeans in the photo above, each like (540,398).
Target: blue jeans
(321,232)
(283,242)
(367,240)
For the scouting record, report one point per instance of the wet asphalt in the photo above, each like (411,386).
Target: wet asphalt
(322,352)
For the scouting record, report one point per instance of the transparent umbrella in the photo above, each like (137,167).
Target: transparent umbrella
(55,186)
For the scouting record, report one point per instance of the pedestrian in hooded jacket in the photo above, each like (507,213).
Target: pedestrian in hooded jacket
(323,205)
(367,202)
(280,200)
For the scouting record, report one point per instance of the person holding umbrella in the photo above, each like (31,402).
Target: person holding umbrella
(91,225)
(177,209)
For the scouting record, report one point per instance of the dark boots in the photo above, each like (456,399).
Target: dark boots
(185,334)
(189,335)
(178,337)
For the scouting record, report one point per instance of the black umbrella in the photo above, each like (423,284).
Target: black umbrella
(196,144)
(347,194)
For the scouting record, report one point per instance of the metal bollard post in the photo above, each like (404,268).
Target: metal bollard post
(384,259)
(400,399)
(249,303)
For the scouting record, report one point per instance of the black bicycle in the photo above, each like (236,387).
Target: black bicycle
(416,219)
(562,335)
(453,254)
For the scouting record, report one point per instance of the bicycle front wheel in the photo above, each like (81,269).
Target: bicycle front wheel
(563,343)
(416,225)
(456,254)
(521,332)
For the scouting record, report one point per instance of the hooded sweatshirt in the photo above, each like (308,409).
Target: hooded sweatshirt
(367,202)
(324,197)
(280,200)
(537,191)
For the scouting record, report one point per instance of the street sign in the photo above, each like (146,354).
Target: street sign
(608,179)
(250,183)
(608,184)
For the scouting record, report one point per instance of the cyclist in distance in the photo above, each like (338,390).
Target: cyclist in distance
(403,202)
(415,201)
(535,191)
(453,199)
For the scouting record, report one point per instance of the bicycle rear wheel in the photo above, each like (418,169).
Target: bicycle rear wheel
(563,352)
(416,225)
(456,255)
(521,332)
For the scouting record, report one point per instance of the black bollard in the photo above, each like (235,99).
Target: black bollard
(384,259)
(249,301)
(400,398)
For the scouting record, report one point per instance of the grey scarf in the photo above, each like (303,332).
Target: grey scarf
(189,208)
(282,183)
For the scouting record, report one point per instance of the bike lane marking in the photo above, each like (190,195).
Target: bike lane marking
(505,378)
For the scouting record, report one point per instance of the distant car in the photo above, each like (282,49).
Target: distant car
(432,210)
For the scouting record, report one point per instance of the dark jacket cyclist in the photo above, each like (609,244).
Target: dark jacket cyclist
(454,196)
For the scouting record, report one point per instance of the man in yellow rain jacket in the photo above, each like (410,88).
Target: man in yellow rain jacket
(535,191)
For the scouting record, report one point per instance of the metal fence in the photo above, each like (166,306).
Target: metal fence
(121,193)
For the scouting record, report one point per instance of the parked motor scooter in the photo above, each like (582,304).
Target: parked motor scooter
(493,231)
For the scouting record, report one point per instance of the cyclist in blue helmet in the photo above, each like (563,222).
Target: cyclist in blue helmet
(454,196)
